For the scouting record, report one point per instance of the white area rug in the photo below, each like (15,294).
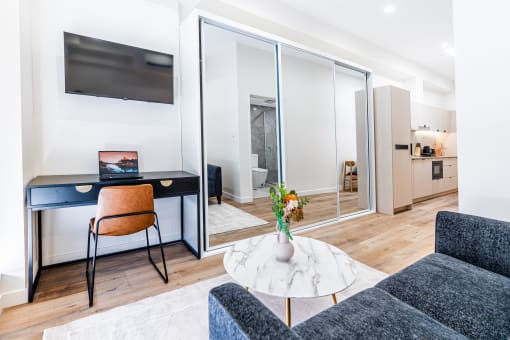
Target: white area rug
(183,314)
(224,217)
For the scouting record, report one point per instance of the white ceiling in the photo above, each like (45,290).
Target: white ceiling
(415,30)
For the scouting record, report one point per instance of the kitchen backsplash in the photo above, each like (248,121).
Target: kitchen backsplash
(430,138)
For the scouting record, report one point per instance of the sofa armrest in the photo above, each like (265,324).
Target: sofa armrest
(214,180)
(477,240)
(236,314)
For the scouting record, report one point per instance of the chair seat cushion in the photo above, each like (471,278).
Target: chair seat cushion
(471,300)
(373,314)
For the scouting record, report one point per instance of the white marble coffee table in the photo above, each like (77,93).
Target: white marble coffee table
(316,269)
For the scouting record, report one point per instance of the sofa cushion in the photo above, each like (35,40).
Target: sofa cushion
(235,314)
(471,300)
(373,314)
(480,241)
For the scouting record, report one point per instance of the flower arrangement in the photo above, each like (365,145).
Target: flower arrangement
(287,207)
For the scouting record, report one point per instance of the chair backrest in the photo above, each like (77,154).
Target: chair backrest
(350,165)
(124,199)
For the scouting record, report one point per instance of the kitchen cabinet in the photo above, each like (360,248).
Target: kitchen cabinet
(422,178)
(418,116)
(450,183)
(437,186)
(453,121)
(450,179)
(392,120)
(444,121)
(423,184)
(449,169)
(435,119)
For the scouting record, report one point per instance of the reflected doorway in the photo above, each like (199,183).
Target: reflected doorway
(239,87)
(264,145)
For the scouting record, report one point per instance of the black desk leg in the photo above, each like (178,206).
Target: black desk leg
(32,282)
(199,245)
(182,218)
(30,248)
(39,244)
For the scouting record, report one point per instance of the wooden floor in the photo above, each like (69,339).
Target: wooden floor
(388,243)
(321,207)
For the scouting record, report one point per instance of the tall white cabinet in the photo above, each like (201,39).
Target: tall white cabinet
(392,118)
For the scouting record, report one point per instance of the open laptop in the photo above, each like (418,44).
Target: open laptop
(118,165)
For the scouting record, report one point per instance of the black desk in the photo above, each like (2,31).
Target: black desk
(52,192)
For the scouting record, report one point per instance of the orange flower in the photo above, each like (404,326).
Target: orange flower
(290,197)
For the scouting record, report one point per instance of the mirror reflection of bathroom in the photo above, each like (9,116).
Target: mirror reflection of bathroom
(239,110)
(264,145)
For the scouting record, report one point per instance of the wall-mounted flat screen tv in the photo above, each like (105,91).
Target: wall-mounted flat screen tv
(105,69)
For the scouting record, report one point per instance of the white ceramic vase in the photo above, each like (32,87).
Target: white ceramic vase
(284,250)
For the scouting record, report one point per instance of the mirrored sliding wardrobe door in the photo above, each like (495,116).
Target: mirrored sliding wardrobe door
(239,89)
(308,131)
(352,137)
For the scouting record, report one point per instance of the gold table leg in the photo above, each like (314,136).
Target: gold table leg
(287,311)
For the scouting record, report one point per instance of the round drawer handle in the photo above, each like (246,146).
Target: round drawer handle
(166,183)
(83,188)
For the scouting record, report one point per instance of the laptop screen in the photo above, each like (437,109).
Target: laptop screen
(118,162)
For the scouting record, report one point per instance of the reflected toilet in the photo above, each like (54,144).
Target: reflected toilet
(258,175)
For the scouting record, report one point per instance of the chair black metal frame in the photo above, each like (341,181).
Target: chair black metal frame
(95,237)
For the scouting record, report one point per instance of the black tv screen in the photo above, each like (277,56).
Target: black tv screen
(105,69)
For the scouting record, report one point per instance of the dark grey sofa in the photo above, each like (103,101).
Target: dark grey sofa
(214,182)
(461,291)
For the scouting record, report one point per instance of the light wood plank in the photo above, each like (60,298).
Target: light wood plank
(387,243)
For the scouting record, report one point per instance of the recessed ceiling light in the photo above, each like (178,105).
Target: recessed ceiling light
(389,8)
(450,51)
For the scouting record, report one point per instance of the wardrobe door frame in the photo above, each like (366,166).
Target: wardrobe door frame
(279,43)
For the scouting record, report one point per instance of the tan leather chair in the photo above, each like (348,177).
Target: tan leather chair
(123,210)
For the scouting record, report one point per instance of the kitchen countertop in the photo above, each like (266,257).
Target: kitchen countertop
(432,157)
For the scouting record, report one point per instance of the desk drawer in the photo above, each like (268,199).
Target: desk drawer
(172,187)
(63,195)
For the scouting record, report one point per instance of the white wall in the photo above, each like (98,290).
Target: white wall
(191,134)
(309,122)
(482,71)
(283,20)
(347,83)
(72,128)
(13,26)
(220,102)
(419,94)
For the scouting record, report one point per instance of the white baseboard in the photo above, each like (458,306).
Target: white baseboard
(13,298)
(238,199)
(249,199)
(317,191)
(12,291)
